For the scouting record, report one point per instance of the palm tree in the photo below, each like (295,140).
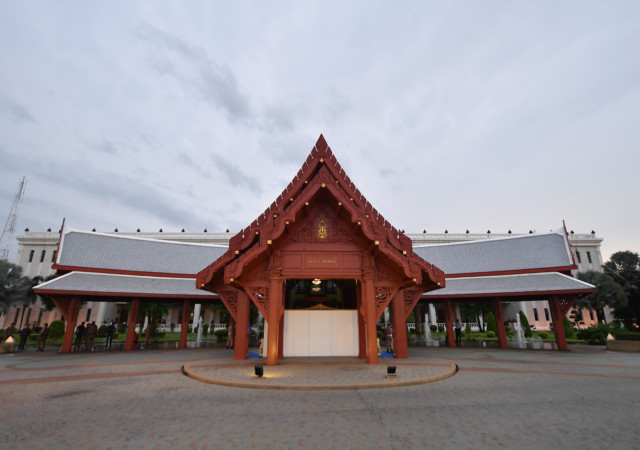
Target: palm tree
(607,293)
(13,286)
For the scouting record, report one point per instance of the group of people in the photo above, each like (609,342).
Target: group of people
(25,332)
(86,335)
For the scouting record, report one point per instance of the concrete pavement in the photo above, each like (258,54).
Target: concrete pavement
(584,398)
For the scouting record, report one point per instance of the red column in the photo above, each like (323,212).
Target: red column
(273,317)
(502,335)
(362,336)
(131,325)
(184,326)
(281,338)
(241,344)
(72,318)
(558,326)
(448,318)
(369,304)
(399,326)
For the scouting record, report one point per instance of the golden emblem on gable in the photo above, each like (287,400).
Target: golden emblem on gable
(322,230)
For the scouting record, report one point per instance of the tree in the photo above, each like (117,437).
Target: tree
(47,304)
(491,323)
(13,286)
(524,323)
(608,293)
(475,311)
(153,312)
(624,268)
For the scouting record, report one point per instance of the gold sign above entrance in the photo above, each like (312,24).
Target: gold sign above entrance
(322,261)
(322,230)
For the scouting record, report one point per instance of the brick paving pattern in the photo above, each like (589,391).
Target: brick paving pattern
(586,398)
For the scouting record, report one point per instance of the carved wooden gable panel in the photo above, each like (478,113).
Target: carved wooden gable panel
(322,228)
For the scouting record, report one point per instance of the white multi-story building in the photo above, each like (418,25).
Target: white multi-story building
(37,252)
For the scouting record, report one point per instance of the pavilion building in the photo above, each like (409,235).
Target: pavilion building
(322,265)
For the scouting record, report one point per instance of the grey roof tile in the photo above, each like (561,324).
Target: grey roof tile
(122,284)
(100,251)
(510,284)
(537,251)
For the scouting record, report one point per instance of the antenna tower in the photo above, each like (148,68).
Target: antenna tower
(6,240)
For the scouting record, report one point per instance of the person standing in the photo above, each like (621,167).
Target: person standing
(90,335)
(42,338)
(10,331)
(231,335)
(388,331)
(111,329)
(24,335)
(458,329)
(79,335)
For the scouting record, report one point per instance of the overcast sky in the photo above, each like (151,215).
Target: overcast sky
(447,115)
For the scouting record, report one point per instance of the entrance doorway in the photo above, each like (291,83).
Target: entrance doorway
(320,318)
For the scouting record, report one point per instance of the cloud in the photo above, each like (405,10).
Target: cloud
(235,176)
(212,82)
(15,111)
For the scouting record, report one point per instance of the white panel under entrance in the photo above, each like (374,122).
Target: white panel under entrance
(320,333)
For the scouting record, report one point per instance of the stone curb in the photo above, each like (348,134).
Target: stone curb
(451,370)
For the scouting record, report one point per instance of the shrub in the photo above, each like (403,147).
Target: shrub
(221,334)
(596,334)
(491,334)
(172,327)
(568,330)
(380,335)
(491,324)
(120,328)
(543,335)
(155,334)
(102,331)
(56,330)
(467,331)
(524,322)
(36,329)
(205,329)
(433,328)
(440,328)
(626,335)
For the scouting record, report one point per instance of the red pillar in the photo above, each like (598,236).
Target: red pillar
(369,304)
(184,326)
(558,326)
(399,326)
(274,316)
(241,344)
(448,318)
(281,339)
(131,324)
(362,336)
(502,335)
(72,318)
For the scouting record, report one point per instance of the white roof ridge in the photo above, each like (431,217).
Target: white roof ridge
(558,232)
(52,280)
(138,238)
(80,272)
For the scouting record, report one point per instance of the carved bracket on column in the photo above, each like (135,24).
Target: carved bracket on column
(66,306)
(229,297)
(564,305)
(259,295)
(411,297)
(383,296)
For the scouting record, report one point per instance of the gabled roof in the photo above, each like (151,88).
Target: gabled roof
(98,252)
(320,171)
(535,252)
(100,284)
(505,285)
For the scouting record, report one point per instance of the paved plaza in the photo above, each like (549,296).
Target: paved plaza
(585,398)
